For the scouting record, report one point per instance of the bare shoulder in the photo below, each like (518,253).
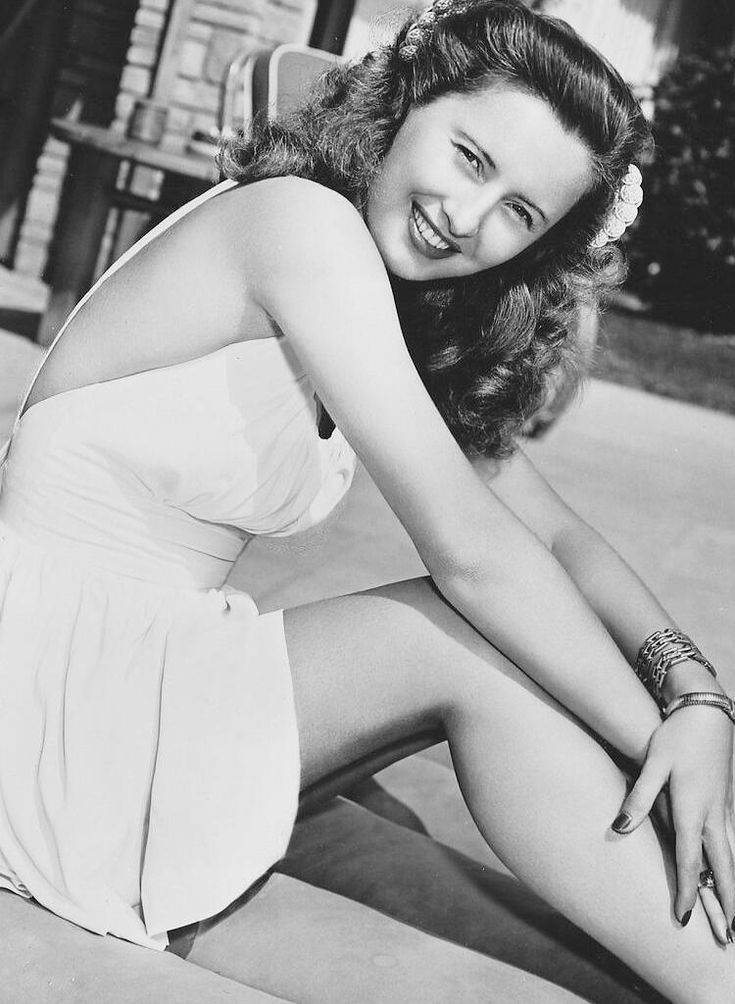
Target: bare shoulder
(291,196)
(279,225)
(214,276)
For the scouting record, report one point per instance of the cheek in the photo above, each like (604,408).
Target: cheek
(501,243)
(375,213)
(384,194)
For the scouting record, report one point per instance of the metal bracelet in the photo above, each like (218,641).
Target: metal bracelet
(659,653)
(721,701)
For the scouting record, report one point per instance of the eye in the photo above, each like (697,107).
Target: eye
(470,158)
(522,213)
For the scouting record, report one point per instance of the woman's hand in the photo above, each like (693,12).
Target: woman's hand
(692,752)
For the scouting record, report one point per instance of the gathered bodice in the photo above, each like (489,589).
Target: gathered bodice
(163,475)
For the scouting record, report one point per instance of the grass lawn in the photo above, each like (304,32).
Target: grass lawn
(676,362)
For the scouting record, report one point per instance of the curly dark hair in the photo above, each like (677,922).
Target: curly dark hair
(487,346)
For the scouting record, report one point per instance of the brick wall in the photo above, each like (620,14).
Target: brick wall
(109,62)
(216,30)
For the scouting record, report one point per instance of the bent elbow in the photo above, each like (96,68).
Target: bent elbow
(501,565)
(462,573)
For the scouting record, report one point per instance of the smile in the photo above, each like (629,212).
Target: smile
(430,241)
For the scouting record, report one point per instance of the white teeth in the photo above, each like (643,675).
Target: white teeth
(429,234)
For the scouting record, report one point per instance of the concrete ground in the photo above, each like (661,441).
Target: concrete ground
(657,478)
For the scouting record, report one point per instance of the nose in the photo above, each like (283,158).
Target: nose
(467,211)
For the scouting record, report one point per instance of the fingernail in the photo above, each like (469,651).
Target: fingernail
(622,822)
(685,919)
(730,939)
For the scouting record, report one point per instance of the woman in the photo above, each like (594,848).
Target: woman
(459,188)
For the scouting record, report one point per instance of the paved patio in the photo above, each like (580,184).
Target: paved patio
(657,478)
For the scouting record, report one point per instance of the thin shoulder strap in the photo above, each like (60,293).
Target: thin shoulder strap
(125,257)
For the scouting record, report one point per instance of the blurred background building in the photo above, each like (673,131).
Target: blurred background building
(641,37)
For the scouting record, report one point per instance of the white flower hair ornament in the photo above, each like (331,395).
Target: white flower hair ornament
(421,30)
(624,209)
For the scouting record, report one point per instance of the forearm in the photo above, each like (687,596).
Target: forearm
(610,590)
(533,612)
(626,607)
(624,604)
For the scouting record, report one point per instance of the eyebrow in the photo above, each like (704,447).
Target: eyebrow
(491,162)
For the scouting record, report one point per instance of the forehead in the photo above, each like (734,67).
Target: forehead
(524,138)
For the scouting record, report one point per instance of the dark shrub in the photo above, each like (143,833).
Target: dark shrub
(682,254)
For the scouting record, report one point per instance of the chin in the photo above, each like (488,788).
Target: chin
(410,274)
(416,269)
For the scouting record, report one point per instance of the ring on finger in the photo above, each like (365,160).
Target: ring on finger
(707,879)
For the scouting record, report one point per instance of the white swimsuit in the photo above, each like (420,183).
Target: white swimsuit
(148,749)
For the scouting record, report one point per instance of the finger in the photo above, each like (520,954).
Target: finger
(688,867)
(637,804)
(715,915)
(721,862)
(662,817)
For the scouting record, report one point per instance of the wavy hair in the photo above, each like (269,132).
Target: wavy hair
(487,346)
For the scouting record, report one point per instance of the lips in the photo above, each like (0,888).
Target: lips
(429,240)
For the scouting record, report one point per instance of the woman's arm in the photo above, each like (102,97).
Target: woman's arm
(627,608)
(692,754)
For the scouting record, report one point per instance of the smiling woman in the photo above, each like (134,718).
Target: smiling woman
(413,249)
(490,349)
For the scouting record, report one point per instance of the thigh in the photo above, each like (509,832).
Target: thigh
(373,668)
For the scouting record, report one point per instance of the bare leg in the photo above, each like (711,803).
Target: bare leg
(371,668)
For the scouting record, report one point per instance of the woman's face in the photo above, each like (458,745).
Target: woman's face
(471,180)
